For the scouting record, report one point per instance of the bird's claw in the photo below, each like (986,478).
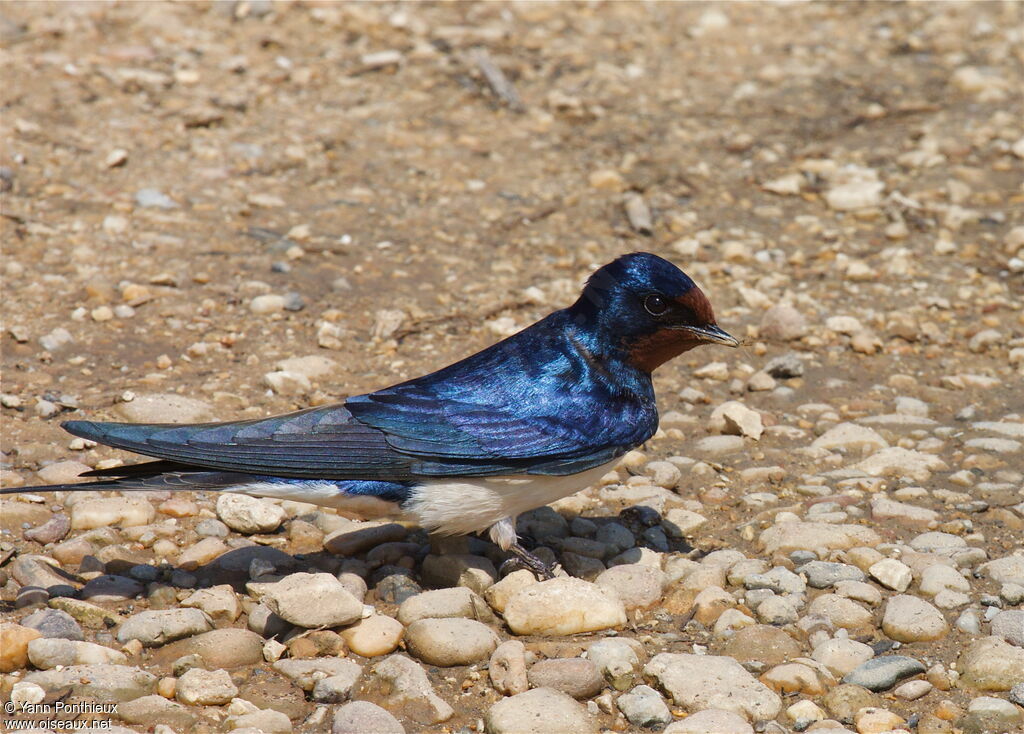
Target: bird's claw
(531,562)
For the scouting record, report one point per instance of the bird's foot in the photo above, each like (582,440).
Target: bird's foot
(525,559)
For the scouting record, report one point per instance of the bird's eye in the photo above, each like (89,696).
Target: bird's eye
(655,305)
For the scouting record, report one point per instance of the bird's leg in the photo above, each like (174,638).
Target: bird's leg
(532,562)
(503,533)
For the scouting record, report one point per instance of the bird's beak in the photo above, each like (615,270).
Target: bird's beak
(712,334)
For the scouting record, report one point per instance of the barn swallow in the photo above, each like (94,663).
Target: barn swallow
(529,420)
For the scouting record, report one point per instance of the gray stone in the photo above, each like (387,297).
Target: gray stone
(563,606)
(363,717)
(54,623)
(248,515)
(335,688)
(989,714)
(199,687)
(507,668)
(108,588)
(100,683)
(824,574)
(46,653)
(453,641)
(154,198)
(155,628)
(150,711)
(642,706)
(617,660)
(990,664)
(711,681)
(1010,626)
(1017,694)
(882,673)
(711,720)
(780,580)
(309,600)
(445,603)
(539,711)
(403,685)
(637,584)
(223,648)
(785,367)
(578,677)
(306,673)
(911,619)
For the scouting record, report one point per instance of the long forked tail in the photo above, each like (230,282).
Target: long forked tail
(151,475)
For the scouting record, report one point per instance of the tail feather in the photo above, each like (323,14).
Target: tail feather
(137,478)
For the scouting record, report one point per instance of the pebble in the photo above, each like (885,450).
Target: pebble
(710,681)
(309,600)
(374,636)
(199,687)
(850,437)
(638,585)
(54,623)
(1009,625)
(14,642)
(991,664)
(882,673)
(306,673)
(62,472)
(913,690)
(578,677)
(563,606)
(452,641)
(762,643)
(841,656)
(644,707)
(444,603)
(219,602)
(877,720)
(404,686)
(109,511)
(249,515)
(709,720)
(47,653)
(362,717)
(154,199)
(158,627)
(840,611)
(892,574)
(987,713)
(228,647)
(911,619)
(718,445)
(507,668)
(789,536)
(825,574)
(782,322)
(156,711)
(539,711)
(357,537)
(165,408)
(99,683)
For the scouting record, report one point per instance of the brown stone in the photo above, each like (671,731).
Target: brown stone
(14,641)
(762,642)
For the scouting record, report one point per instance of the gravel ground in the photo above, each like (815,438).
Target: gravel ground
(231,210)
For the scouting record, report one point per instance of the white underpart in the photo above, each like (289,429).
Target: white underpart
(325,494)
(444,506)
(449,507)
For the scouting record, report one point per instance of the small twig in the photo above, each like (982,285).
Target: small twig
(497,81)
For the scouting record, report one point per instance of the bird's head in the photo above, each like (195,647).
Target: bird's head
(648,309)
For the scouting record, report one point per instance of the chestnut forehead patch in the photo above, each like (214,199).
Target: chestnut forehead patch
(696,301)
